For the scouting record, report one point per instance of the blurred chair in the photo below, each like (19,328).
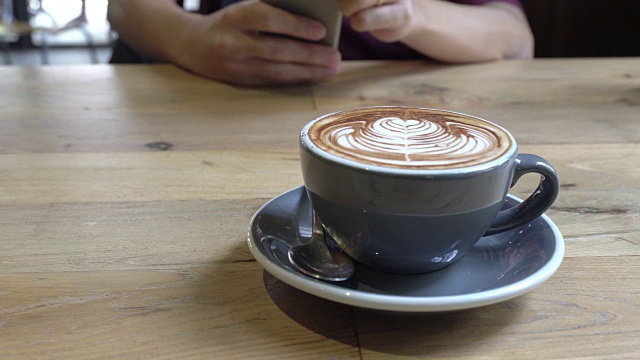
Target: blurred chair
(79,23)
(11,30)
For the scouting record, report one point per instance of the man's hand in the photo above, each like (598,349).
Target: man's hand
(253,43)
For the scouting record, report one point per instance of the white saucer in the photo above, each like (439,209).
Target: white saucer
(498,268)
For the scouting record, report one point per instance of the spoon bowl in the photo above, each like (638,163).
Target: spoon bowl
(321,258)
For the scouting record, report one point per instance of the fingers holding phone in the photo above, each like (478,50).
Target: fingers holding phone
(387,20)
(327,12)
(251,43)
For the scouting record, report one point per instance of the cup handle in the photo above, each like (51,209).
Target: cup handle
(537,203)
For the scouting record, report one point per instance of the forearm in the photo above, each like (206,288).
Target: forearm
(462,33)
(153,27)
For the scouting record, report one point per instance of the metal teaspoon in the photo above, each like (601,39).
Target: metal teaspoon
(318,260)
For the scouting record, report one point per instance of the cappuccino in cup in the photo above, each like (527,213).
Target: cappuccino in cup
(411,190)
(410,138)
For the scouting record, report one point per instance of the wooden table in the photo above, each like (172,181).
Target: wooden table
(126,193)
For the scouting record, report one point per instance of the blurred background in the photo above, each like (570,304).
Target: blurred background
(34,32)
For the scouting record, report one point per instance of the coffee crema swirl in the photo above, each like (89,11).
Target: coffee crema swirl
(414,138)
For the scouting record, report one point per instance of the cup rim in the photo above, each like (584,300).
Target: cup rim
(307,144)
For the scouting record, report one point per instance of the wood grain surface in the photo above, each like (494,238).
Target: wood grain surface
(126,192)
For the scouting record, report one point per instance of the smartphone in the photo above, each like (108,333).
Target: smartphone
(325,11)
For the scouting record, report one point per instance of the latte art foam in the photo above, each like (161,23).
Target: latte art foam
(409,138)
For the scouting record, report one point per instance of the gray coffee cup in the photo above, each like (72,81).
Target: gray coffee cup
(411,190)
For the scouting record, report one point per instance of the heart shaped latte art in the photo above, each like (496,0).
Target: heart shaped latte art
(437,141)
